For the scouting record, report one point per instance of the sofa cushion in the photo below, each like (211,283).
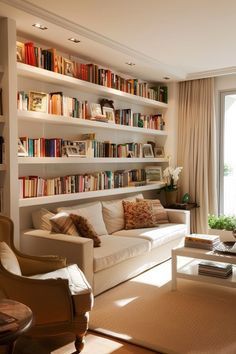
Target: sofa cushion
(156,235)
(159,212)
(41,219)
(62,223)
(76,206)
(8,259)
(115,250)
(93,213)
(85,229)
(113,213)
(138,214)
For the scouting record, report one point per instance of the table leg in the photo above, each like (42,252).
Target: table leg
(174,271)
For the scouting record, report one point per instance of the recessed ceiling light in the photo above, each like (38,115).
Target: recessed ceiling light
(130,63)
(39,26)
(75,40)
(166,78)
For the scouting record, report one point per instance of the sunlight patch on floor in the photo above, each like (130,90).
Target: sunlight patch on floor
(124,302)
(114,334)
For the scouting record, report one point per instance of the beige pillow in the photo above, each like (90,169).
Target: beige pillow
(8,259)
(93,213)
(62,223)
(85,229)
(138,214)
(41,219)
(159,212)
(113,213)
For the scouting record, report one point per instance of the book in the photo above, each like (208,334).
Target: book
(216,269)
(208,242)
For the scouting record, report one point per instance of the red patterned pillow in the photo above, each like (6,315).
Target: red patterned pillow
(159,212)
(85,229)
(138,214)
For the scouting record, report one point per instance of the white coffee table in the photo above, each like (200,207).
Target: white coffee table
(190,269)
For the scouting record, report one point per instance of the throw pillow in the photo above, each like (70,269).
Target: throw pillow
(8,259)
(85,229)
(93,213)
(138,214)
(159,212)
(41,219)
(62,223)
(113,213)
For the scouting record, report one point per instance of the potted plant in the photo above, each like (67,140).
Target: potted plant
(222,225)
(171,177)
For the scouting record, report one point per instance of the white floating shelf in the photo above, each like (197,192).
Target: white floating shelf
(81,160)
(63,80)
(2,119)
(86,195)
(62,120)
(2,167)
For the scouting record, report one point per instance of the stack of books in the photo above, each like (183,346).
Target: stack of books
(214,269)
(208,242)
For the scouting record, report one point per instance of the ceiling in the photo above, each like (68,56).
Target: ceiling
(180,39)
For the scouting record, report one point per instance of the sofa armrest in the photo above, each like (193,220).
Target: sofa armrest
(78,250)
(179,217)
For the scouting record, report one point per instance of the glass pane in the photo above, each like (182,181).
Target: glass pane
(230,155)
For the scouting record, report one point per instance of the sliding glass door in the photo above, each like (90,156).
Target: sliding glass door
(228,154)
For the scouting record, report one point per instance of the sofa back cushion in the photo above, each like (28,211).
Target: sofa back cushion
(85,229)
(113,213)
(138,214)
(62,223)
(8,259)
(93,213)
(159,212)
(41,219)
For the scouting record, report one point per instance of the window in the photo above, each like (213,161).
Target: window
(228,154)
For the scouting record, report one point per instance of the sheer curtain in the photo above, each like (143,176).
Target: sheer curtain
(197,148)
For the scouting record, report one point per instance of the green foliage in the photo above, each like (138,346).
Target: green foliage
(227,170)
(222,222)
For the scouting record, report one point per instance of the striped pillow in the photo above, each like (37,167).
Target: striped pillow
(62,223)
(159,213)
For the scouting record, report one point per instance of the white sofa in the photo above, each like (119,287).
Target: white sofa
(123,254)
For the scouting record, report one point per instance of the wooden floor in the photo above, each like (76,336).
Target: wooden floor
(95,344)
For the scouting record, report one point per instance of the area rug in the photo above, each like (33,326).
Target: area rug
(198,318)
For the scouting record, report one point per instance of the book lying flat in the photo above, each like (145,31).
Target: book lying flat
(210,239)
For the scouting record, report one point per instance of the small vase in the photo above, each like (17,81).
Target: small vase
(171,197)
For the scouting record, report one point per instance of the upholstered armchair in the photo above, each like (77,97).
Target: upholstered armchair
(59,295)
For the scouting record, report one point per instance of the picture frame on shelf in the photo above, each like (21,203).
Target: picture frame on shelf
(109,113)
(147,150)
(20,52)
(159,152)
(153,174)
(68,67)
(96,112)
(38,101)
(78,149)
(21,149)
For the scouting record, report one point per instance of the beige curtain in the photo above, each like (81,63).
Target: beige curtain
(197,148)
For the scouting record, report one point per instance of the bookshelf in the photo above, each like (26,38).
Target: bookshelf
(81,160)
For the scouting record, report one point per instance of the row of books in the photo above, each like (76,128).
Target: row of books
(55,147)
(148,121)
(35,186)
(2,150)
(52,103)
(208,242)
(49,59)
(215,269)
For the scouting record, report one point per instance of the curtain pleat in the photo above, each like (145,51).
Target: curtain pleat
(197,148)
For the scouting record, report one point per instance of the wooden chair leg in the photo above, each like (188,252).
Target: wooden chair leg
(79,343)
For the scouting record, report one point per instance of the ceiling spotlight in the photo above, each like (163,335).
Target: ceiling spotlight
(39,26)
(166,78)
(130,63)
(72,39)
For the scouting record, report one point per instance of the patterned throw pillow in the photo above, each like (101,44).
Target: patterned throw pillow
(62,223)
(159,212)
(85,229)
(138,214)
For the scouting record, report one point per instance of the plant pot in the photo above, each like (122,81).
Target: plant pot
(225,235)
(171,197)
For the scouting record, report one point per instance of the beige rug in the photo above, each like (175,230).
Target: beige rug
(196,319)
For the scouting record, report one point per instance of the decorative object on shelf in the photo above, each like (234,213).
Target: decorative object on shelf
(21,149)
(186,198)
(153,174)
(68,67)
(38,101)
(159,152)
(20,52)
(109,113)
(107,103)
(96,112)
(147,150)
(78,149)
(171,177)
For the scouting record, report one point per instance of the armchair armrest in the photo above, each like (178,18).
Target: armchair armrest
(78,250)
(179,217)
